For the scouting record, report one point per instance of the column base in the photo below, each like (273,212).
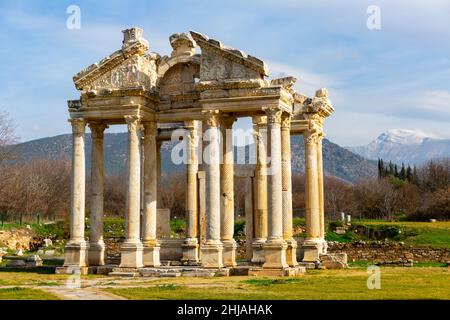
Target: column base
(76,254)
(190,251)
(212,254)
(229,253)
(312,249)
(96,256)
(258,250)
(275,254)
(131,255)
(291,253)
(150,255)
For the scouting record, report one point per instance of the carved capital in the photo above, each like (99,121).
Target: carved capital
(286,121)
(311,137)
(97,129)
(212,118)
(273,115)
(133,123)
(226,121)
(78,126)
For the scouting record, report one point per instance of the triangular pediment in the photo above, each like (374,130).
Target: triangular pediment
(220,62)
(128,67)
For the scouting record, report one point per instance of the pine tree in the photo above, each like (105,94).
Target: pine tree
(409,174)
(391,169)
(395,171)
(382,168)
(403,172)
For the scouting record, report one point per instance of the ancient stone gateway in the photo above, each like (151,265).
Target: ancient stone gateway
(203,94)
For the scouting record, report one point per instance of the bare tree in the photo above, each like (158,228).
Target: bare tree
(7,137)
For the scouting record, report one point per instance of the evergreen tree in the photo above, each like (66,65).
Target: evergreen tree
(382,168)
(409,174)
(403,172)
(391,168)
(395,171)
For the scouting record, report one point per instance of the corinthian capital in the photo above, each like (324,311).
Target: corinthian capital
(97,129)
(273,115)
(78,126)
(133,123)
(286,121)
(311,137)
(212,118)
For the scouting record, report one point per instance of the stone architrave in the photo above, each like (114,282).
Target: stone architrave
(291,252)
(275,246)
(227,192)
(191,245)
(76,250)
(96,255)
(149,242)
(132,249)
(212,248)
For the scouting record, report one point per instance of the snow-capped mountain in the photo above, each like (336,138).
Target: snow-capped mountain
(403,145)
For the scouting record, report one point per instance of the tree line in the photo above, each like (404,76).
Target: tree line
(40,189)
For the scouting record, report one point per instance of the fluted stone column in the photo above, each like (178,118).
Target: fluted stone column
(312,244)
(190,245)
(149,241)
(321,192)
(260,218)
(76,248)
(158,174)
(227,192)
(131,249)
(96,242)
(275,246)
(291,252)
(212,248)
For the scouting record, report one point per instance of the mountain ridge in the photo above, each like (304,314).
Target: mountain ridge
(412,147)
(338,161)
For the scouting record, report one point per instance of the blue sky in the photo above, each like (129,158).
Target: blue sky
(395,77)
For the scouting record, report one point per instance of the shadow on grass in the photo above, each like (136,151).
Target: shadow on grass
(39,270)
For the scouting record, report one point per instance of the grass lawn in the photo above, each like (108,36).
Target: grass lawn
(396,283)
(36,277)
(17,293)
(436,234)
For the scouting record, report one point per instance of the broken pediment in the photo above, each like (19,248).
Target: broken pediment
(219,62)
(129,67)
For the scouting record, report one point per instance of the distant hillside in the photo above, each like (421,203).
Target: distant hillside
(338,161)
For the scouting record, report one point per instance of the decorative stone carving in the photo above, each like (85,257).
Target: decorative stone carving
(220,62)
(212,118)
(78,126)
(182,44)
(273,115)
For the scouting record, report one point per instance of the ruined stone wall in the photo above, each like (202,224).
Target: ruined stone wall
(387,251)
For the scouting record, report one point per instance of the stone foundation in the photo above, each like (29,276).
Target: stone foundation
(388,251)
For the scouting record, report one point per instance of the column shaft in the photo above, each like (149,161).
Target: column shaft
(132,247)
(321,191)
(311,245)
(76,248)
(190,245)
(275,247)
(212,249)
(150,243)
(260,212)
(291,251)
(96,242)
(227,192)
